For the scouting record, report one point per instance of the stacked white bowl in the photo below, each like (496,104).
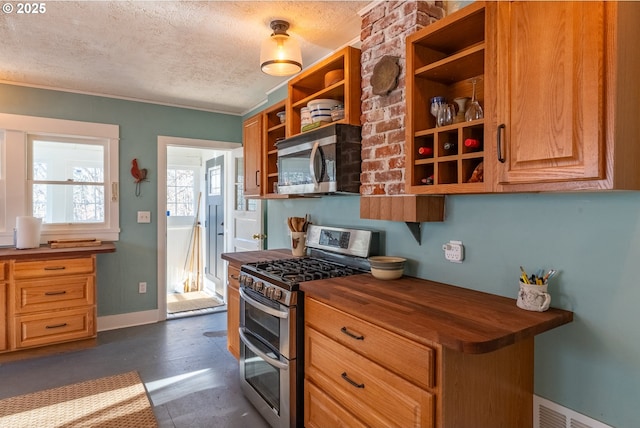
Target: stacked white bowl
(387,267)
(321,109)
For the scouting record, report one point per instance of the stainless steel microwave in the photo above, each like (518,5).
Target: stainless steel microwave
(325,160)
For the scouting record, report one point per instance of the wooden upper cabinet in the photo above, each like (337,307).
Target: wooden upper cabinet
(558,85)
(564,83)
(273,131)
(311,85)
(252,142)
(442,61)
(550,85)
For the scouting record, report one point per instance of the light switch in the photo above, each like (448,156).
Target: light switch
(144,216)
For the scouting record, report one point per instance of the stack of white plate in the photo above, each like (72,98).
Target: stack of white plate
(321,109)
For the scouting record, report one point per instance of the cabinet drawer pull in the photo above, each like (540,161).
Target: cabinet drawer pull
(499,139)
(352,382)
(55,293)
(64,324)
(348,333)
(234,277)
(55,268)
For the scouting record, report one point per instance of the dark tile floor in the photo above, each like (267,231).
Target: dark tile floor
(191,377)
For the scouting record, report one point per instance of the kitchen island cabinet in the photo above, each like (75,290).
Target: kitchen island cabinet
(49,295)
(465,358)
(236,260)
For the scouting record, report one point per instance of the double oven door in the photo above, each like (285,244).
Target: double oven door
(271,368)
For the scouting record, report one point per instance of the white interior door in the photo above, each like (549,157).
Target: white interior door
(246,225)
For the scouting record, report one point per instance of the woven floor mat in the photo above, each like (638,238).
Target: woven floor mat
(118,401)
(192,301)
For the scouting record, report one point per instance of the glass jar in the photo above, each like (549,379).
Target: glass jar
(337,112)
(305,117)
(435,104)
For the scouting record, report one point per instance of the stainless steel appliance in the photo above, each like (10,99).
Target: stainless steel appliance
(326,160)
(272,320)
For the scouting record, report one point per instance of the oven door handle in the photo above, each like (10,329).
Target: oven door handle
(271,361)
(263,308)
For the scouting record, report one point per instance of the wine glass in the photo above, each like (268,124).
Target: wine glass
(474,111)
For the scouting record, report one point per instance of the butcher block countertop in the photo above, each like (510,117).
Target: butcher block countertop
(458,318)
(243,257)
(46,252)
(428,312)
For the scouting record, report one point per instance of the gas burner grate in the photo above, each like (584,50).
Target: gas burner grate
(303,269)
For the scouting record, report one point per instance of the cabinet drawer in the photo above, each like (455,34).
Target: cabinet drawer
(3,271)
(233,277)
(409,359)
(3,316)
(371,393)
(49,268)
(51,294)
(320,411)
(54,327)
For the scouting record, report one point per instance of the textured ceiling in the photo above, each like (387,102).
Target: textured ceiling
(199,54)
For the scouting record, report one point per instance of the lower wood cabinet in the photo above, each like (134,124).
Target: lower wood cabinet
(3,306)
(48,327)
(370,392)
(233,310)
(360,374)
(48,301)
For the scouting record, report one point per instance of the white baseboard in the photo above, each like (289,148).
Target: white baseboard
(112,322)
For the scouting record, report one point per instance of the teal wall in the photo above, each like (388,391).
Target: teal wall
(591,365)
(140,124)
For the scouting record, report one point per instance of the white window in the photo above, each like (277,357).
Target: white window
(64,172)
(181,191)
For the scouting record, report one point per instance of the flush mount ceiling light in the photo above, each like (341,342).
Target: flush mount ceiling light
(280,54)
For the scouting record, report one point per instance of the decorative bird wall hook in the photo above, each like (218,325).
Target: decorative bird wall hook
(139,174)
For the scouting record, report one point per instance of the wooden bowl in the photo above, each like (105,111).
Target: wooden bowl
(332,77)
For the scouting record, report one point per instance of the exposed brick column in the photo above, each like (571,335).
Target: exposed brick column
(384,30)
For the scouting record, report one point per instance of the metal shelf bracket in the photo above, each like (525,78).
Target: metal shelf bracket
(415,228)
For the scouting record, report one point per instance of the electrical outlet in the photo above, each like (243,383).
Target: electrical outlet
(454,251)
(142,287)
(144,216)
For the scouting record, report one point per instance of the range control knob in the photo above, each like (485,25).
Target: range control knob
(258,286)
(268,292)
(277,294)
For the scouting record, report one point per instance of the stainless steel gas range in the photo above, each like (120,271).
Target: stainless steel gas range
(272,320)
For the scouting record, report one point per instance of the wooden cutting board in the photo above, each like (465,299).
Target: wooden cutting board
(71,243)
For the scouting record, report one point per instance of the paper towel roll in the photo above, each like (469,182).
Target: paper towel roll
(28,232)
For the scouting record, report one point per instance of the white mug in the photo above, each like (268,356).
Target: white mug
(533,297)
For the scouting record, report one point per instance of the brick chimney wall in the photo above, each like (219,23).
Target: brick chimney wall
(384,30)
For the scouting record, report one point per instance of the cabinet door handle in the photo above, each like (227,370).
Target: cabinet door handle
(55,268)
(351,381)
(64,324)
(348,333)
(258,178)
(502,126)
(55,293)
